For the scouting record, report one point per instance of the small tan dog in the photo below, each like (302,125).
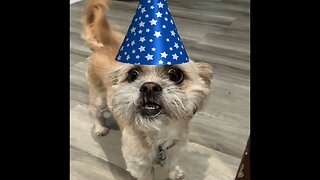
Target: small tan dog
(152,105)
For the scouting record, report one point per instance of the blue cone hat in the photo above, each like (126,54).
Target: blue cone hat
(152,38)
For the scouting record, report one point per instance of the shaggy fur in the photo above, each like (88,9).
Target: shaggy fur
(109,87)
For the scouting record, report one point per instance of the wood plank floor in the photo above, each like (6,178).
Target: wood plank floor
(213,31)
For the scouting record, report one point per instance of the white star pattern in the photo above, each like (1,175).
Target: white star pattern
(142,48)
(176,45)
(164,54)
(173,33)
(133,29)
(153,22)
(160,5)
(157,34)
(142,39)
(159,14)
(141,24)
(157,43)
(149,57)
(143,10)
(175,57)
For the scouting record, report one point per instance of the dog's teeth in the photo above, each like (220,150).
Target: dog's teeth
(151,107)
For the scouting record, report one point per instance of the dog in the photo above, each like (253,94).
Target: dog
(152,105)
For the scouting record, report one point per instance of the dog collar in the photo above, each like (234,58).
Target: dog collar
(161,153)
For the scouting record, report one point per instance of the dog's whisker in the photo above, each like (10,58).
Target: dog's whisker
(179,100)
(176,106)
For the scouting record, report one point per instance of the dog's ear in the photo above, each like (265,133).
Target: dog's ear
(205,72)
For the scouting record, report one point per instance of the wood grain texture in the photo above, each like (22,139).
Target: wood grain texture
(213,31)
(199,162)
(88,167)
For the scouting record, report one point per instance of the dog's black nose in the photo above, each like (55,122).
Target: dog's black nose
(150,87)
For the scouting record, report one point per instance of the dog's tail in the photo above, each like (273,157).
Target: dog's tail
(96,29)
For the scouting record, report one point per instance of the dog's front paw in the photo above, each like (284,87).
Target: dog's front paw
(101,131)
(176,173)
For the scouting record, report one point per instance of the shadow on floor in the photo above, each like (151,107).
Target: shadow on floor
(195,164)
(114,153)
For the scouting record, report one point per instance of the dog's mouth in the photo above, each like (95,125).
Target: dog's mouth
(150,109)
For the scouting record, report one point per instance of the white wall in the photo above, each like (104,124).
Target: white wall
(74,1)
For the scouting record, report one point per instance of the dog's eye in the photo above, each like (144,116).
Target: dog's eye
(132,75)
(176,75)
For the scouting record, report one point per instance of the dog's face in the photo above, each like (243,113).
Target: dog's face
(152,95)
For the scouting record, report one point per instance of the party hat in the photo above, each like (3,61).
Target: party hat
(152,38)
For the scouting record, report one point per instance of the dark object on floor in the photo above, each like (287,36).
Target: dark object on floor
(244,169)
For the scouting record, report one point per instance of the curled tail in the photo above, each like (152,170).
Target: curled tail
(96,29)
